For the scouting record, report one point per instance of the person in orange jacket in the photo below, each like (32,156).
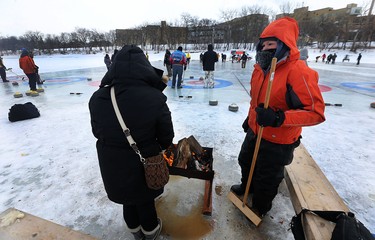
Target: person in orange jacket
(29,68)
(295,102)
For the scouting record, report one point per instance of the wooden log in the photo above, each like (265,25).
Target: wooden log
(207,198)
(183,155)
(26,226)
(194,145)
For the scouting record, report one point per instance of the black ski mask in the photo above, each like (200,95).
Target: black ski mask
(264,58)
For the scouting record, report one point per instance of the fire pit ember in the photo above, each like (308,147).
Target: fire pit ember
(188,158)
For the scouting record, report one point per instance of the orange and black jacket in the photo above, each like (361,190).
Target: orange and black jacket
(295,88)
(27,64)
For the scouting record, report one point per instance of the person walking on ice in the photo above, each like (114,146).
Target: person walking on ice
(178,61)
(208,61)
(359,58)
(3,74)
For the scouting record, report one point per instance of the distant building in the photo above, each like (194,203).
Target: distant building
(340,25)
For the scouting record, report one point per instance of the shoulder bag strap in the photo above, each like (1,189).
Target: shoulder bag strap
(125,129)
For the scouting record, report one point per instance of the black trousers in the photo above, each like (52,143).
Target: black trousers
(269,169)
(33,78)
(143,214)
(3,74)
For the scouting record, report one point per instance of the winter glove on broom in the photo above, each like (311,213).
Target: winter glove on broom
(269,117)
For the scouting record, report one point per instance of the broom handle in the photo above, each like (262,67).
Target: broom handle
(260,132)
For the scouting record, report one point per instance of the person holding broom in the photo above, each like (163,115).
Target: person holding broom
(295,101)
(28,66)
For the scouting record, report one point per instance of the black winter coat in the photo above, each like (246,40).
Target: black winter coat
(138,89)
(209,59)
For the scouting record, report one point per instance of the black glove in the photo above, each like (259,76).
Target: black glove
(245,124)
(269,117)
(184,67)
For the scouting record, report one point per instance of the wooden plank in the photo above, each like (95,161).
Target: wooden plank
(244,209)
(309,188)
(27,226)
(207,198)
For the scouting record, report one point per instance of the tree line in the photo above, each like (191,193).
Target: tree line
(236,28)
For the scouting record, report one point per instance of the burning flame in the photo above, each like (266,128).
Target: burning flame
(169,159)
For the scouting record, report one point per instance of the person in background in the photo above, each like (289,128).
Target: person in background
(167,62)
(208,61)
(114,55)
(304,55)
(188,57)
(329,58)
(324,57)
(147,55)
(178,62)
(138,89)
(359,58)
(107,61)
(223,57)
(295,101)
(243,60)
(3,74)
(234,56)
(28,66)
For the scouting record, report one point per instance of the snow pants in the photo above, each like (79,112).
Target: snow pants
(143,214)
(209,79)
(269,169)
(169,70)
(3,74)
(33,78)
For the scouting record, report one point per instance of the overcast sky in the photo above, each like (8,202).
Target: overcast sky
(56,16)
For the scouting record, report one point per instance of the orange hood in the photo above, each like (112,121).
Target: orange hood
(286,30)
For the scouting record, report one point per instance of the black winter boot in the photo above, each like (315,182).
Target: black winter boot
(238,189)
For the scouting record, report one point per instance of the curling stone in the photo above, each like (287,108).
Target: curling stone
(89,79)
(40,90)
(17,95)
(34,93)
(15,83)
(372,105)
(233,107)
(28,93)
(213,102)
(201,79)
(191,77)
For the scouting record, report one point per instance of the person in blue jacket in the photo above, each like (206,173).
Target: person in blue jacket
(178,61)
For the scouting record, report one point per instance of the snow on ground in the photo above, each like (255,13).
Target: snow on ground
(49,166)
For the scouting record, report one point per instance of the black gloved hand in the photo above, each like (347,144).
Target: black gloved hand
(269,117)
(184,67)
(245,124)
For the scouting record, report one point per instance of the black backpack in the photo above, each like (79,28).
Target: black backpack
(347,226)
(25,111)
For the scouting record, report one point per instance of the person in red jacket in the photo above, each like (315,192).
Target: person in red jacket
(295,102)
(29,68)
